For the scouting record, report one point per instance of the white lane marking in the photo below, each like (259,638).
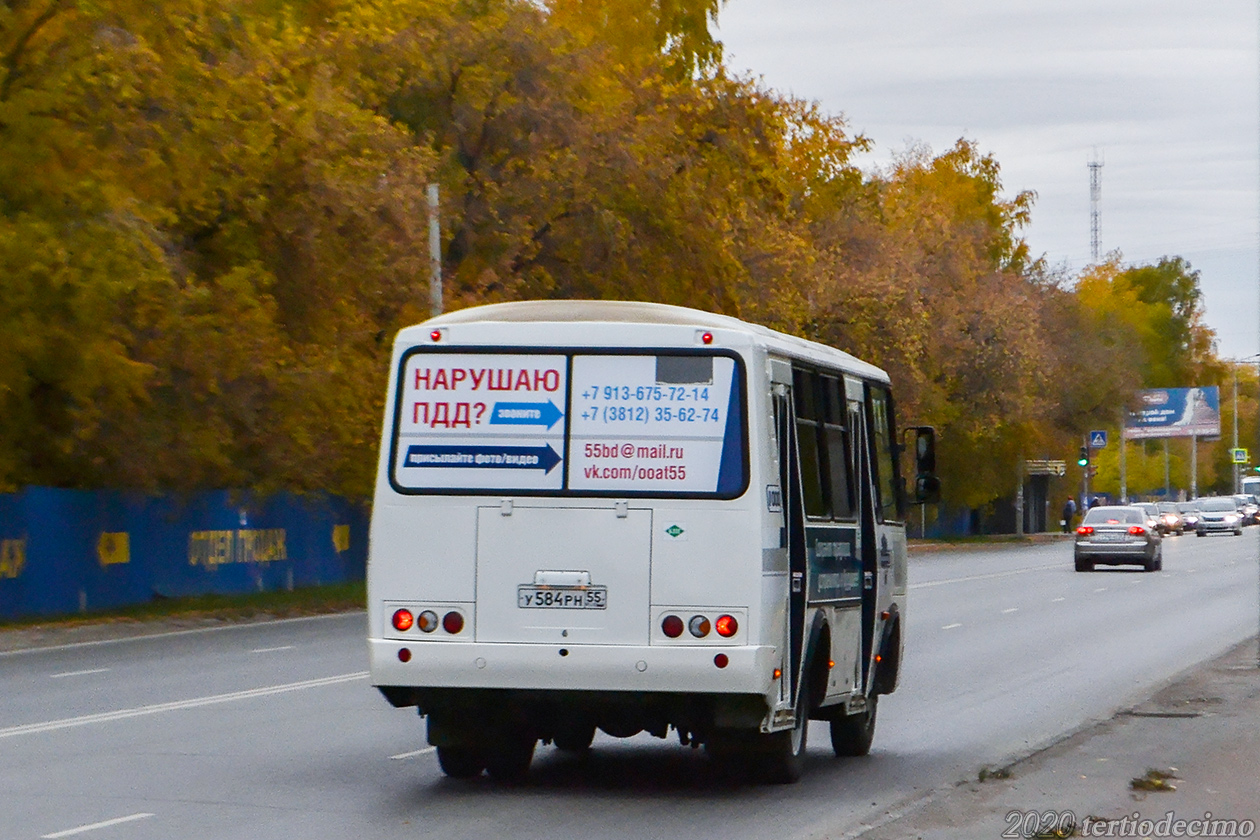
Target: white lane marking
(1101,589)
(143,638)
(411,754)
(989,576)
(77,673)
(1057,600)
(272,650)
(951,626)
(1011,610)
(106,824)
(122,714)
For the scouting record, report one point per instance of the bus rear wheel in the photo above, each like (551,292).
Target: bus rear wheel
(853,734)
(460,762)
(781,755)
(574,737)
(509,760)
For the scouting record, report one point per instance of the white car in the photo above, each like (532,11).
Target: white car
(1219,514)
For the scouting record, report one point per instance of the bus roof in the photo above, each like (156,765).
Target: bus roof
(637,312)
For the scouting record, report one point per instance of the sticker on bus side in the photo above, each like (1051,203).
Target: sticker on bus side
(481,420)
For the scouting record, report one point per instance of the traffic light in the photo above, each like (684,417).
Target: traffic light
(1083,459)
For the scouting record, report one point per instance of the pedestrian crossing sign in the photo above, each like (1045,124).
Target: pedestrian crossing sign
(1240,456)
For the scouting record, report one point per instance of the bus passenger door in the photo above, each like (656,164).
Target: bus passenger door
(794,531)
(866,529)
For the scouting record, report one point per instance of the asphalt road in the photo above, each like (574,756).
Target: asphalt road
(272,731)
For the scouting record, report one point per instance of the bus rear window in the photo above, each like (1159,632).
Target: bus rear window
(569,423)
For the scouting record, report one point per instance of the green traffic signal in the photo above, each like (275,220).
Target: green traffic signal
(1083,460)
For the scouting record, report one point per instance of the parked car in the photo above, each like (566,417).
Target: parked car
(1115,535)
(1248,508)
(1171,517)
(1218,514)
(1189,514)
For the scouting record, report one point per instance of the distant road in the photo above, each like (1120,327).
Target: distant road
(272,731)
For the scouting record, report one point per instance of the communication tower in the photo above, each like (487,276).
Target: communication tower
(1095,208)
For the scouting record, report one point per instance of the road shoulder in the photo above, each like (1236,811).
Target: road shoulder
(1202,730)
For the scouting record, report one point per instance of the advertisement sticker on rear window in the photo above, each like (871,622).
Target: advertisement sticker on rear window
(623,424)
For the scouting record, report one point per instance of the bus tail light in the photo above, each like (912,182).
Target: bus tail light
(672,626)
(402,620)
(699,626)
(452,622)
(427,621)
(726,626)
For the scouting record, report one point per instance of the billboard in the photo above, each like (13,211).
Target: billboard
(1175,412)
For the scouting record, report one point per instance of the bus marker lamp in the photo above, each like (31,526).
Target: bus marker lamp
(404,655)
(721,660)
(452,622)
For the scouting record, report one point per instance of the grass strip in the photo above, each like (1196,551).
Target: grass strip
(311,600)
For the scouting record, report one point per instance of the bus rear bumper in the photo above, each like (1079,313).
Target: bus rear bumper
(747,670)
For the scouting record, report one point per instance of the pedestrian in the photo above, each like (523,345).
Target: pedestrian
(1069,511)
(1094,502)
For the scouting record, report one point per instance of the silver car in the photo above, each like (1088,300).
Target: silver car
(1218,515)
(1114,536)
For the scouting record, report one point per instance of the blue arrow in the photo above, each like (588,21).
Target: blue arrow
(484,457)
(526,414)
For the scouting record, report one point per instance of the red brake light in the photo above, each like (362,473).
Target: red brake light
(1137,530)
(1085,530)
(707,338)
(672,626)
(402,620)
(726,625)
(452,622)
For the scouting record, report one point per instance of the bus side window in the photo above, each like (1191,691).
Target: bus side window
(805,392)
(836,442)
(890,504)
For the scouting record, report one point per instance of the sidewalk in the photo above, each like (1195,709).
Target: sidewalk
(1203,730)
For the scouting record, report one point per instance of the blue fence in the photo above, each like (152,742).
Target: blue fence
(66,551)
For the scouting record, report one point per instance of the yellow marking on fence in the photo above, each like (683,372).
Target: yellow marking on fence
(113,548)
(12,558)
(341,537)
(247,545)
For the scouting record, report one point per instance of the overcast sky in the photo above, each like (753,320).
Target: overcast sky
(1165,92)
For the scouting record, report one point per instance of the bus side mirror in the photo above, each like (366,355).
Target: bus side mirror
(927,486)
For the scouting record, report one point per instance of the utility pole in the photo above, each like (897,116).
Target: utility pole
(435,254)
(1236,488)
(1095,207)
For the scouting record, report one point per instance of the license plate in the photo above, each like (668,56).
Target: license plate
(562,597)
(1109,537)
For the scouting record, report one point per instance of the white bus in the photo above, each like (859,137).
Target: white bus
(635,517)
